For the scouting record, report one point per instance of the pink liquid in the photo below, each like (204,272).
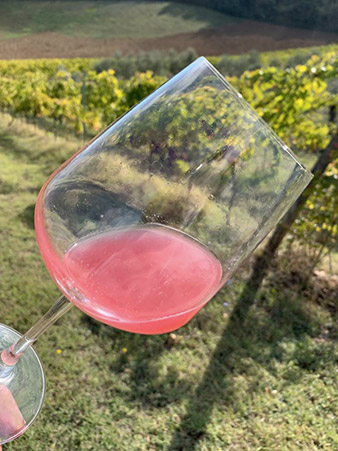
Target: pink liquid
(148,279)
(11,420)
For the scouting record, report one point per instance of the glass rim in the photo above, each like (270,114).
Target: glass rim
(203,62)
(272,134)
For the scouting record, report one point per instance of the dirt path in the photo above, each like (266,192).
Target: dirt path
(232,39)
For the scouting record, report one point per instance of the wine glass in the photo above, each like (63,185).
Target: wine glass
(142,227)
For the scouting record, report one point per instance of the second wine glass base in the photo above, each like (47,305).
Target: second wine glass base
(21,392)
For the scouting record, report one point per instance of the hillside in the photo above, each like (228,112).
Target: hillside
(320,15)
(31,29)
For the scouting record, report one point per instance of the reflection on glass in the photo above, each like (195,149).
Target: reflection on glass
(142,227)
(193,157)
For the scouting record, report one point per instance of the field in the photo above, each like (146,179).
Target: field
(253,372)
(267,381)
(35,29)
(108,20)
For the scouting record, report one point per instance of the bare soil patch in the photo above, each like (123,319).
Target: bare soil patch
(234,38)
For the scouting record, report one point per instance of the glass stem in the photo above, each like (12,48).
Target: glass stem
(10,356)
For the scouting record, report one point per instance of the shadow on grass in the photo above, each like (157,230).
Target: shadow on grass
(254,334)
(145,350)
(246,335)
(27,216)
(147,389)
(6,187)
(8,142)
(198,14)
(30,150)
(193,424)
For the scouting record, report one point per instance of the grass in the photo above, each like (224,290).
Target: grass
(265,382)
(100,19)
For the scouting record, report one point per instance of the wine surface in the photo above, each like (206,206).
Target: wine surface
(146,279)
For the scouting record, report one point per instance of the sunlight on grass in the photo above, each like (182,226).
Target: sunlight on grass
(271,384)
(119,20)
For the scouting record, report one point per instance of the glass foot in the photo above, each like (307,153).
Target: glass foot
(21,391)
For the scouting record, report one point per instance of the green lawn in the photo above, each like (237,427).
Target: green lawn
(99,19)
(265,382)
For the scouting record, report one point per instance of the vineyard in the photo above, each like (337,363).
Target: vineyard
(297,102)
(262,379)
(70,91)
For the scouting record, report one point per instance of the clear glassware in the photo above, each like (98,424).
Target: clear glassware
(21,390)
(142,227)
